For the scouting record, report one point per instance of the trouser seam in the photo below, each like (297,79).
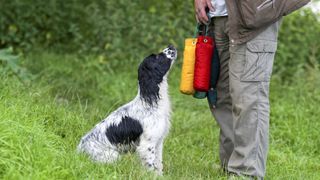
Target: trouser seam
(258,140)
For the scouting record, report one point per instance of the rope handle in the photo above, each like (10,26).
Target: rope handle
(197,30)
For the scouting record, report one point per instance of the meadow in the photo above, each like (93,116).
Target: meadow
(42,123)
(74,64)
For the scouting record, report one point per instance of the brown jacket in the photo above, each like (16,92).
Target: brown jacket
(237,33)
(248,18)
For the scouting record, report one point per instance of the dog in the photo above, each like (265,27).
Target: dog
(140,125)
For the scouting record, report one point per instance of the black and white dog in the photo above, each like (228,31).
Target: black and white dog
(140,125)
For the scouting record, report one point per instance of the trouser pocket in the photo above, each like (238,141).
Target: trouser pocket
(259,60)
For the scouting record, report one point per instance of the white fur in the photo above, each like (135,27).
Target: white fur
(155,121)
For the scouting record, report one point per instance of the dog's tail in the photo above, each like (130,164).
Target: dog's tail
(98,152)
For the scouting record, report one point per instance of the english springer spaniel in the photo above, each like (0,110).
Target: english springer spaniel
(141,124)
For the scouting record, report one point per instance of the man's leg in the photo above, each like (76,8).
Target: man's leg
(250,69)
(222,112)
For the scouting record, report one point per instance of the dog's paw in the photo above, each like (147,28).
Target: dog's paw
(159,173)
(156,168)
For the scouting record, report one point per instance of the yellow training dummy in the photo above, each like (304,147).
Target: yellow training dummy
(187,74)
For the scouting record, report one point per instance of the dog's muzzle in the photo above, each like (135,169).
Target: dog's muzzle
(170,52)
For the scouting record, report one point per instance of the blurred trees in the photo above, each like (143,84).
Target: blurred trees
(120,29)
(94,26)
(299,44)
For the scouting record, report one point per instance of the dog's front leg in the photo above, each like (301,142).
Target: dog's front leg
(158,160)
(147,153)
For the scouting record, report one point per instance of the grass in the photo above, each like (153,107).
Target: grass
(40,125)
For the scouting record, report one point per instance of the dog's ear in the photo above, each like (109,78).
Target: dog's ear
(150,75)
(149,89)
(164,65)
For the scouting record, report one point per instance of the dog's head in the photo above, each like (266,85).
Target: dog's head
(153,71)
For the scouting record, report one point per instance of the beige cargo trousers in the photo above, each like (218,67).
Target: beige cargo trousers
(242,110)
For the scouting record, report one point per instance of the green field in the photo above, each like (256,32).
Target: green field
(41,123)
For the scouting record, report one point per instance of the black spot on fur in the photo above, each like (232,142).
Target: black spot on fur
(150,74)
(127,131)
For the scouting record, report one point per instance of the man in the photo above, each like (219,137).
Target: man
(242,110)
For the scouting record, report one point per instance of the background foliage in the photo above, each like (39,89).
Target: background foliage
(299,45)
(103,27)
(110,28)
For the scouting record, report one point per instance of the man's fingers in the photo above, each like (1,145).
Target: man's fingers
(197,18)
(203,16)
(209,5)
(200,8)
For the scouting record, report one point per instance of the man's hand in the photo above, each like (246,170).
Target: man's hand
(200,9)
